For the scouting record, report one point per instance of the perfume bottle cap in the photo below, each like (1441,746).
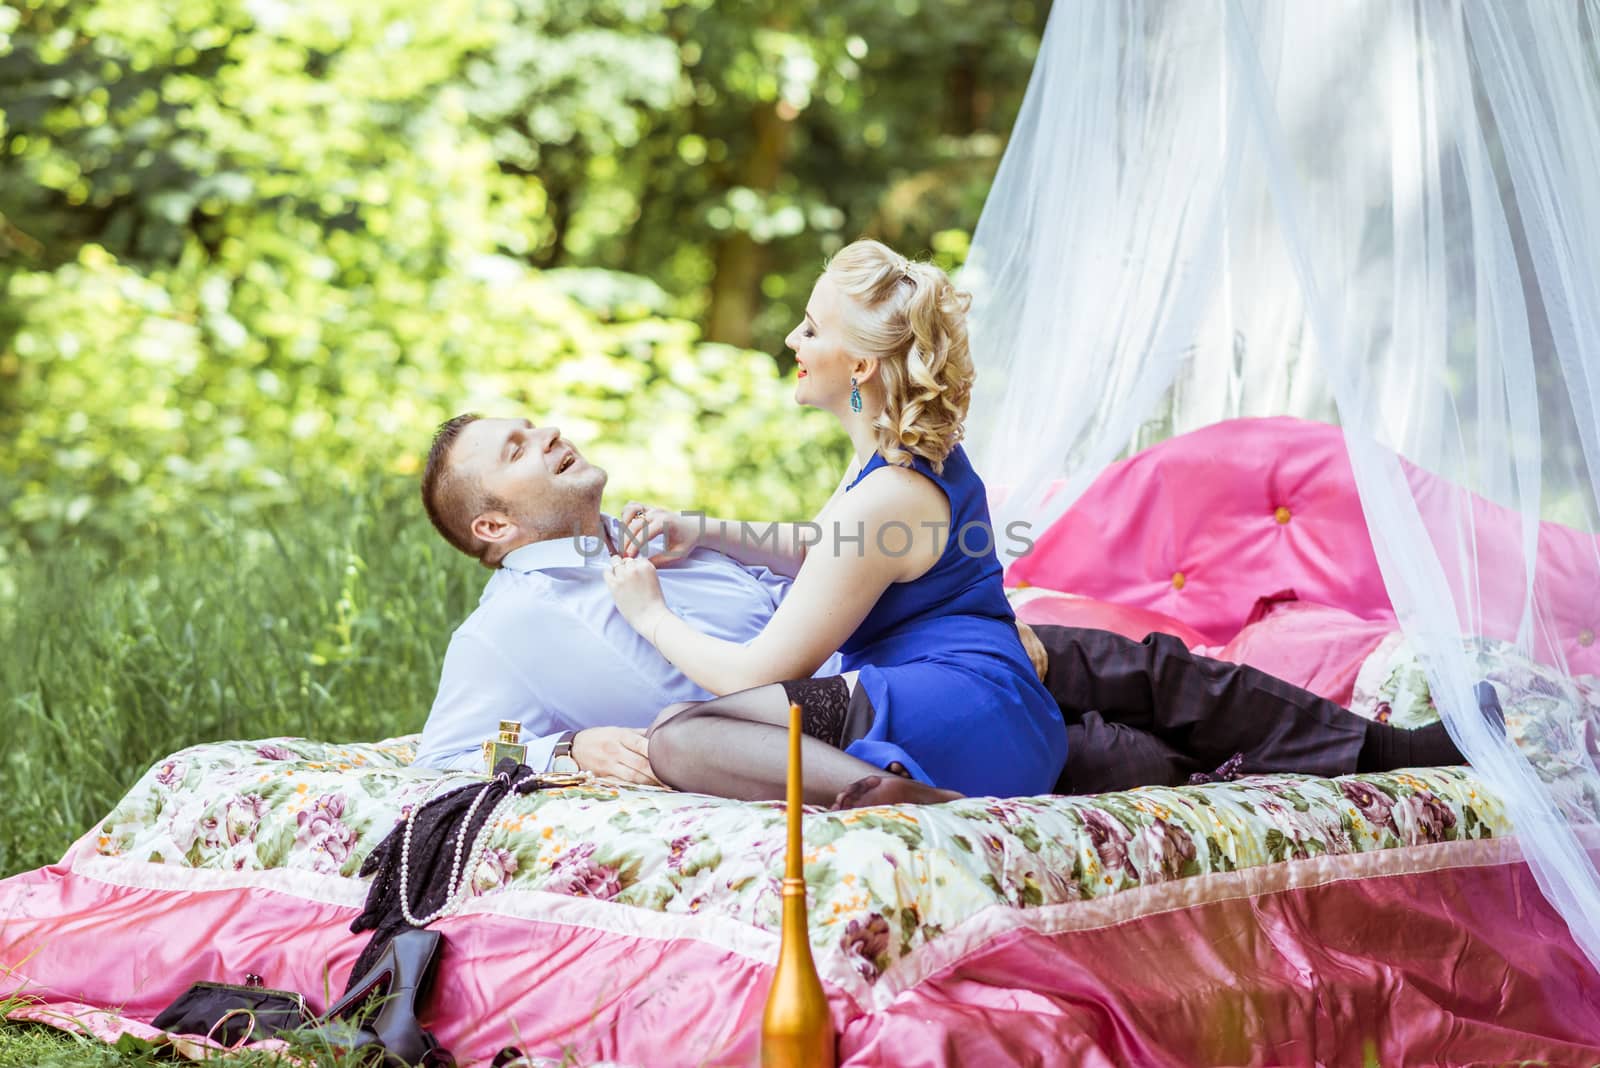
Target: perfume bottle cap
(510,731)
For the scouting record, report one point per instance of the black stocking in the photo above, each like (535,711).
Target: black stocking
(738,746)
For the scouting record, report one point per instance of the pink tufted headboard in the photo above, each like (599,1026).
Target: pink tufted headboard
(1202,525)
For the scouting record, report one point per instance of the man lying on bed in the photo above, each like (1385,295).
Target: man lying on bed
(547,647)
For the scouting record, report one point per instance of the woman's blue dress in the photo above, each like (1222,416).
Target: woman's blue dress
(954,696)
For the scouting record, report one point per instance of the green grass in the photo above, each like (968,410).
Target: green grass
(326,620)
(38,1046)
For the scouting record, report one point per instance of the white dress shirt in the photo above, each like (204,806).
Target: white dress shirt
(546,646)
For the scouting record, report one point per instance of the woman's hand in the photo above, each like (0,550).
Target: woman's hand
(1035,650)
(641,522)
(637,591)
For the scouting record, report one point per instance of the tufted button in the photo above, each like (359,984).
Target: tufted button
(1178,580)
(1281,515)
(1586,637)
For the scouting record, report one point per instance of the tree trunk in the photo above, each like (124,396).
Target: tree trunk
(736,288)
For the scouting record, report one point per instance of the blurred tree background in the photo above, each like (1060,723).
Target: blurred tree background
(253,251)
(250,246)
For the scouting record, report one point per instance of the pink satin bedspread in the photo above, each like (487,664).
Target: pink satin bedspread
(1439,954)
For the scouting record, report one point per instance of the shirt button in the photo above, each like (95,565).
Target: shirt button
(1178,580)
(1281,515)
(1586,637)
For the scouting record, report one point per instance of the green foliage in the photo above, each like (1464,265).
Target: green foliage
(178,414)
(250,242)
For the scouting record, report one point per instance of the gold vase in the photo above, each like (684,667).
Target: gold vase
(796,1031)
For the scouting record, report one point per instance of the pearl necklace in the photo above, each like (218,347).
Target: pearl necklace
(460,879)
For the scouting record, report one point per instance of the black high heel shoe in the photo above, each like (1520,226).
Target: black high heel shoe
(380,1011)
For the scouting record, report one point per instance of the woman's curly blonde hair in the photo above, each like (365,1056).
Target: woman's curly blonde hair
(912,319)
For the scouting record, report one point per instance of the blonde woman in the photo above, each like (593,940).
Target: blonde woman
(898,573)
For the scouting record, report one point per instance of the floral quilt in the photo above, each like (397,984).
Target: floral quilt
(883,881)
(1553,719)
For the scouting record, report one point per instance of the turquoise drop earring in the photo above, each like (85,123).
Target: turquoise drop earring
(855,395)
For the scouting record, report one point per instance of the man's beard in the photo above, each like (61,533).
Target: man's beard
(566,512)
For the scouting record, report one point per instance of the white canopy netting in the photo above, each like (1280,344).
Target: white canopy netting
(1380,214)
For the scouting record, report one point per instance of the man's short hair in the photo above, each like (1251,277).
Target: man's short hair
(453,500)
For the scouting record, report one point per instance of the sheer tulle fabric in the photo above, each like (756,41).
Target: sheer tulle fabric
(1377,214)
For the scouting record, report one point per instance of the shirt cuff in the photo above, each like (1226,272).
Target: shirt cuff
(466,760)
(541,750)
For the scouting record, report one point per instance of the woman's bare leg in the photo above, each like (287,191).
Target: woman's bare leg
(672,710)
(738,746)
(883,789)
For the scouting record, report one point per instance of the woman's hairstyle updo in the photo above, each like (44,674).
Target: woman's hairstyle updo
(913,321)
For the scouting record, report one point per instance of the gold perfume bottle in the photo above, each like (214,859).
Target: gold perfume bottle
(508,743)
(796,1031)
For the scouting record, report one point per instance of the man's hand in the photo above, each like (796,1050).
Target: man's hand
(1035,649)
(614,753)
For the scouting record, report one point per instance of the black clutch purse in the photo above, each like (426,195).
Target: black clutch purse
(233,1014)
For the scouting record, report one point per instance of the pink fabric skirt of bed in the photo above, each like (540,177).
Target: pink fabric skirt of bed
(1443,954)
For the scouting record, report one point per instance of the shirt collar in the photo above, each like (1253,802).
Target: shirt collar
(581,550)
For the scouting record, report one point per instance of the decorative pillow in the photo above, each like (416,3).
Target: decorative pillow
(1311,645)
(1202,524)
(1034,605)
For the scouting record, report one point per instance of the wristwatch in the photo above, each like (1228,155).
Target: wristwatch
(561,760)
